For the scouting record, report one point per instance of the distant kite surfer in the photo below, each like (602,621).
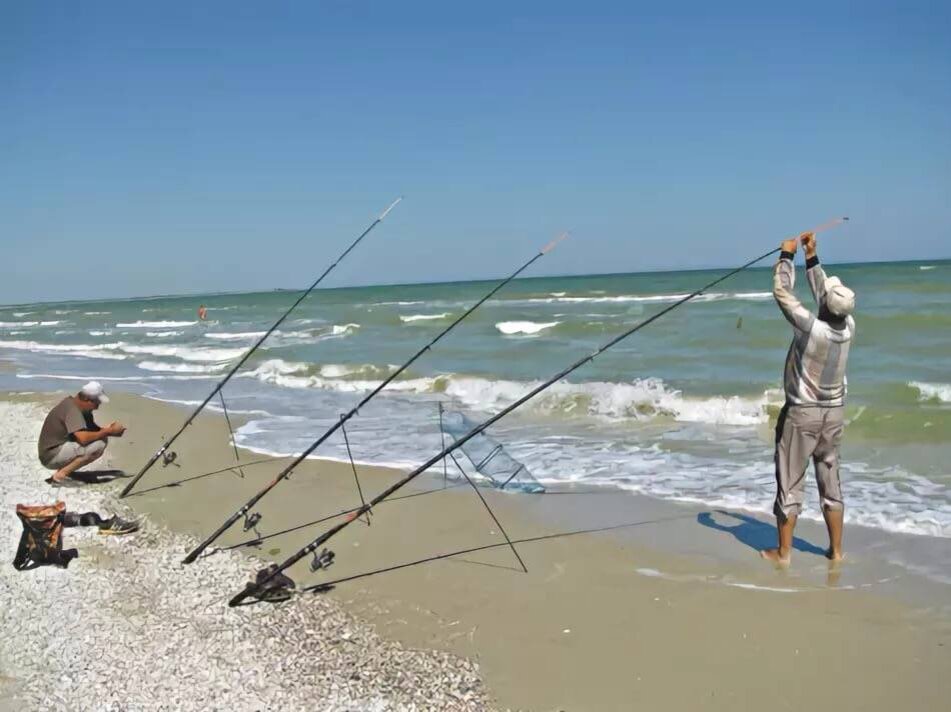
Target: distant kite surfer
(812,420)
(202,312)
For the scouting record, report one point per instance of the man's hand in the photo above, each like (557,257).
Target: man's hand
(808,240)
(789,246)
(115,429)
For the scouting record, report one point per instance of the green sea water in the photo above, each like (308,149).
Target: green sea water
(682,410)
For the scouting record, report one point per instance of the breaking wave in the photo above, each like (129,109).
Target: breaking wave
(640,399)
(510,328)
(239,336)
(155,324)
(162,334)
(22,324)
(180,367)
(86,350)
(185,353)
(344,329)
(423,317)
(940,392)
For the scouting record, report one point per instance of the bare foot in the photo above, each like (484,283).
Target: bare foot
(774,556)
(834,555)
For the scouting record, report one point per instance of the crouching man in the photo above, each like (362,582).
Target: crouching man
(70,438)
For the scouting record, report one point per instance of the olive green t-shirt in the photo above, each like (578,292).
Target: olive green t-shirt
(64,420)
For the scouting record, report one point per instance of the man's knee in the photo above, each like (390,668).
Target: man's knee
(94,450)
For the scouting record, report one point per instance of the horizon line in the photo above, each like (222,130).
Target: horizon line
(186,295)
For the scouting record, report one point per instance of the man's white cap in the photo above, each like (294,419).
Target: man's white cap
(93,391)
(840,300)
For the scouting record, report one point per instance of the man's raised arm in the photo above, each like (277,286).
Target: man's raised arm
(815,275)
(784,279)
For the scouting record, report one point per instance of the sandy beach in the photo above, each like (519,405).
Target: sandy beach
(668,607)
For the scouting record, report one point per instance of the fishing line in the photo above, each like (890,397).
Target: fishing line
(160,453)
(265,577)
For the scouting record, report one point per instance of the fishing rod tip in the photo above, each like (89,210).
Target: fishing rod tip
(554,243)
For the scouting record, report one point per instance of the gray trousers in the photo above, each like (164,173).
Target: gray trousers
(805,432)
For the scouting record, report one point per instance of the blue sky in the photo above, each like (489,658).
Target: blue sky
(187,147)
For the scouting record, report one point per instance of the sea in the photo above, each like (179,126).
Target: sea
(682,410)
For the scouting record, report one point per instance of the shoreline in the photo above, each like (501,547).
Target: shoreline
(602,619)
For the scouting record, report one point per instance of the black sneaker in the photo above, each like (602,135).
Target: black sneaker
(118,527)
(68,483)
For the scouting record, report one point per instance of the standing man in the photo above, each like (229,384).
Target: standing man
(70,438)
(812,420)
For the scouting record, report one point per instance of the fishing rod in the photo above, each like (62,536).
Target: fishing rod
(243,511)
(320,560)
(170,456)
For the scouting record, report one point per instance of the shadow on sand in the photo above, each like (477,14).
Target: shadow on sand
(752,532)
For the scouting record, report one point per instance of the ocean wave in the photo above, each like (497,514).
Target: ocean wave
(100,333)
(106,351)
(155,324)
(344,329)
(162,334)
(510,328)
(400,304)
(236,336)
(274,370)
(23,314)
(649,298)
(96,313)
(185,353)
(23,324)
(926,268)
(180,367)
(932,391)
(423,317)
(640,399)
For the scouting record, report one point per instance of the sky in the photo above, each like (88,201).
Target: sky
(180,147)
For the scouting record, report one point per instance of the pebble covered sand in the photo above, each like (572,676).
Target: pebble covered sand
(127,627)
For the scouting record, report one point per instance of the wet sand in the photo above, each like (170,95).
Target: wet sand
(673,610)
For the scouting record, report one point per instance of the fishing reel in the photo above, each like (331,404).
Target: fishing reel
(251,521)
(323,560)
(169,457)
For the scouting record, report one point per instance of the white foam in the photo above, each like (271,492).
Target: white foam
(96,313)
(423,317)
(926,268)
(22,314)
(23,324)
(85,350)
(99,333)
(238,336)
(155,324)
(932,391)
(163,334)
(185,353)
(180,367)
(344,329)
(510,328)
